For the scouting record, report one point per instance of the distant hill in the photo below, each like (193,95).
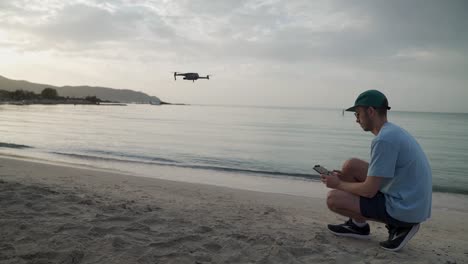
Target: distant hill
(118,95)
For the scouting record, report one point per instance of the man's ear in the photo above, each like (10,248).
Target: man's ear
(371,111)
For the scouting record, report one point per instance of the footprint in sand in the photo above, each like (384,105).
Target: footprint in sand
(101,231)
(119,218)
(203,229)
(299,252)
(138,227)
(43,190)
(119,242)
(7,251)
(71,227)
(320,237)
(176,241)
(213,247)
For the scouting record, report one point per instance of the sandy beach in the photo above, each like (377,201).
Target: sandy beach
(60,214)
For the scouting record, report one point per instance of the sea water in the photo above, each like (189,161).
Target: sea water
(256,143)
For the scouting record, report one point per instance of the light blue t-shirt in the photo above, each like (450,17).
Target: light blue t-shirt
(407,178)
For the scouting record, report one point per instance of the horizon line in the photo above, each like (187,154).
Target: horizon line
(316,107)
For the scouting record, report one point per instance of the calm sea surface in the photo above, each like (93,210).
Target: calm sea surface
(257,141)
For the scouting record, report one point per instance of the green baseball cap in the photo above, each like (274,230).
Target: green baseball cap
(372,98)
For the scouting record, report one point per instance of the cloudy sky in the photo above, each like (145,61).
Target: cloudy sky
(260,52)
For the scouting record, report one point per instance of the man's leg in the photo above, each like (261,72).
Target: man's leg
(348,204)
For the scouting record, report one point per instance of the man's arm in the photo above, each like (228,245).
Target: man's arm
(368,188)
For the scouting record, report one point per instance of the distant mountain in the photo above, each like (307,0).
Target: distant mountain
(124,96)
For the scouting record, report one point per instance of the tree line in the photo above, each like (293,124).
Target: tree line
(46,94)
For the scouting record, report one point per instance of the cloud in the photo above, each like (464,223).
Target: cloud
(419,22)
(283,31)
(338,41)
(83,26)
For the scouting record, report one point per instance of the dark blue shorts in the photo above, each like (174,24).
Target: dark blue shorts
(374,208)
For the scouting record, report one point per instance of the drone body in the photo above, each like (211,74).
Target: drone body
(190,76)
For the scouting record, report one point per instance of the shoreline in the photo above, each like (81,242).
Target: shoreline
(234,180)
(243,180)
(58,102)
(73,215)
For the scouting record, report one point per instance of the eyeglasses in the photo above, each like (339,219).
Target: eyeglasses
(356,114)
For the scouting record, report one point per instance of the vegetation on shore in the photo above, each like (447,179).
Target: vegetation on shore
(104,93)
(47,96)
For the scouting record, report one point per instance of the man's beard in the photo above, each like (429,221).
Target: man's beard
(365,126)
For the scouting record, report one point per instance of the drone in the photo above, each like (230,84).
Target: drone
(191,76)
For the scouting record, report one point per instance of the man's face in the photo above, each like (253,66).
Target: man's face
(362,117)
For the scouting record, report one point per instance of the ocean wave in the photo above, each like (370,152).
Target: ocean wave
(447,189)
(132,156)
(140,159)
(15,146)
(101,158)
(168,162)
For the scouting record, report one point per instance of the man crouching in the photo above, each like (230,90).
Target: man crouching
(394,188)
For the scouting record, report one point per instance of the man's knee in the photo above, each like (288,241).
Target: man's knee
(354,170)
(354,164)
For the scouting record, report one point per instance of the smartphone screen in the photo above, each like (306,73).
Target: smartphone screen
(321,169)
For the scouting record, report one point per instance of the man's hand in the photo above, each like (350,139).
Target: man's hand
(331,180)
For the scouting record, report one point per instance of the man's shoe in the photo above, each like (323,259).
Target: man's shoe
(349,229)
(398,237)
